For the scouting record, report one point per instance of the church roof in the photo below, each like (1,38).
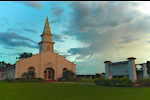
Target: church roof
(47,30)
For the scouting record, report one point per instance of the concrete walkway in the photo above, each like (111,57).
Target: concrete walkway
(76,83)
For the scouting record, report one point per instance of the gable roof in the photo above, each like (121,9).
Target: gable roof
(9,67)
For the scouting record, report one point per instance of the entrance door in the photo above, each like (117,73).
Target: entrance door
(48,74)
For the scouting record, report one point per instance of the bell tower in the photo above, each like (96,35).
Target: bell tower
(46,39)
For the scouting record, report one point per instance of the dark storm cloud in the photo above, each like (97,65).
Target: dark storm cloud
(30,30)
(58,38)
(14,40)
(104,25)
(32,4)
(56,11)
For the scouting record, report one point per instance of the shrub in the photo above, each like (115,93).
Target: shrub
(14,81)
(148,81)
(19,78)
(126,81)
(42,80)
(143,82)
(34,80)
(39,78)
(105,82)
(60,79)
(96,80)
(64,80)
(10,80)
(7,79)
(113,82)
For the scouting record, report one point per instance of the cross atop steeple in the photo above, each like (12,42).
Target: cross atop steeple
(47,28)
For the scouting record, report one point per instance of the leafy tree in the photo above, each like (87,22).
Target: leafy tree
(68,74)
(25,55)
(25,74)
(28,75)
(97,75)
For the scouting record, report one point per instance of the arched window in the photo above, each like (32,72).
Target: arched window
(48,47)
(31,71)
(64,70)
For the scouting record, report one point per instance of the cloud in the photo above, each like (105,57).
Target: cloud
(32,4)
(10,39)
(14,54)
(55,21)
(14,30)
(105,26)
(56,11)
(128,40)
(58,38)
(11,48)
(6,23)
(29,30)
(4,18)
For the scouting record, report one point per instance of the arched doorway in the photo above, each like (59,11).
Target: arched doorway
(49,74)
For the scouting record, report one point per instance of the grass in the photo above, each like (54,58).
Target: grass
(67,91)
(86,80)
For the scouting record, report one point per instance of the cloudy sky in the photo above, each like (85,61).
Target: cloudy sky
(88,32)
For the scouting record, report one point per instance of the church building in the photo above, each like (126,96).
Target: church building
(46,64)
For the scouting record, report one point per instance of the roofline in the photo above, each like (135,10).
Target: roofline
(46,34)
(46,42)
(9,67)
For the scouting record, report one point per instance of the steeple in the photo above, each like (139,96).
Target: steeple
(47,28)
(46,38)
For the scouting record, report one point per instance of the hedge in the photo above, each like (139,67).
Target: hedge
(113,82)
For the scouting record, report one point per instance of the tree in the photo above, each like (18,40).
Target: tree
(25,55)
(68,74)
(28,75)
(25,74)
(97,75)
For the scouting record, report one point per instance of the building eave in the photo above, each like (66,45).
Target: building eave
(9,67)
(46,42)
(46,34)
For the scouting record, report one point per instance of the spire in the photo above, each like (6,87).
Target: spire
(47,28)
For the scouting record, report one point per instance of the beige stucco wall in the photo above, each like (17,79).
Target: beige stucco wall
(23,65)
(43,60)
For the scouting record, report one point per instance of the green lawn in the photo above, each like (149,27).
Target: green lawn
(67,91)
(86,80)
